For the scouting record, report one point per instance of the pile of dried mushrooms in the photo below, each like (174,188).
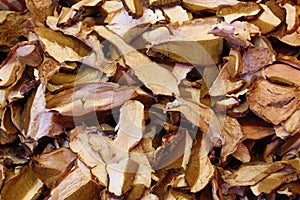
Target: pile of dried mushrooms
(154,99)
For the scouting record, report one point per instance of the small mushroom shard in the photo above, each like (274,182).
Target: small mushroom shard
(256,58)
(224,84)
(237,34)
(89,98)
(50,166)
(206,5)
(160,81)
(134,7)
(188,43)
(242,153)
(267,21)
(274,103)
(282,73)
(130,125)
(121,175)
(25,185)
(76,183)
(244,9)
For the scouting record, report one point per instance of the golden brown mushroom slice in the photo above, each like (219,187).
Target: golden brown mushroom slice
(244,9)
(206,5)
(134,7)
(292,39)
(283,73)
(161,3)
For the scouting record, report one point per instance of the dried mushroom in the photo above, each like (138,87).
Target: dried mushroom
(134,99)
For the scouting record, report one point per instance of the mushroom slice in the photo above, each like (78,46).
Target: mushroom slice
(292,17)
(274,103)
(267,21)
(282,73)
(244,9)
(206,5)
(224,84)
(189,43)
(176,14)
(77,181)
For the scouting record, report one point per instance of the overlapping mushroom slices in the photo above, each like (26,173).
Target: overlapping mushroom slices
(155,99)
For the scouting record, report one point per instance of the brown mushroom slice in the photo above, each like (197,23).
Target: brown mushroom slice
(267,21)
(232,132)
(250,174)
(160,81)
(256,58)
(176,14)
(274,103)
(240,110)
(61,47)
(282,73)
(41,9)
(18,187)
(292,17)
(292,39)
(162,3)
(189,43)
(130,125)
(242,153)
(275,180)
(121,175)
(90,98)
(50,166)
(244,9)
(134,7)
(12,67)
(79,143)
(76,181)
(224,84)
(224,104)
(12,26)
(237,34)
(236,66)
(206,5)
(289,60)
(292,124)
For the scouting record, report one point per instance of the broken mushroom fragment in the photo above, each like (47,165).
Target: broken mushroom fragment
(134,7)
(244,9)
(206,5)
